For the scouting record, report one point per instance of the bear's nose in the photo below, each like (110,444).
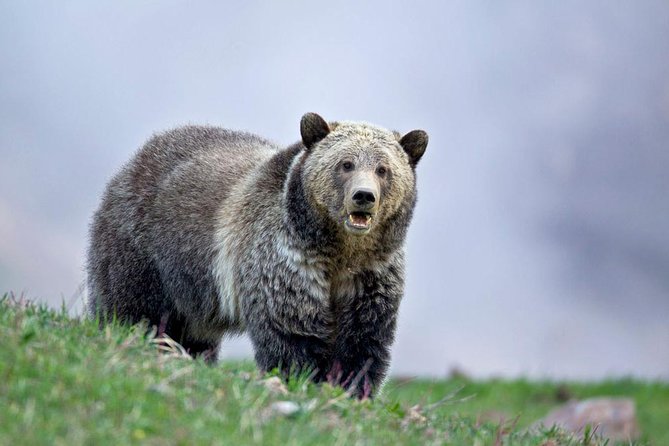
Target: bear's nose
(364,197)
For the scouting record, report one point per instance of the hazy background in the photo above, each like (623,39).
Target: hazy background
(540,244)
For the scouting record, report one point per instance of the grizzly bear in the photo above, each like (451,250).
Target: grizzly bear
(208,232)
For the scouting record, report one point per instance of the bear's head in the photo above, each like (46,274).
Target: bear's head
(358,174)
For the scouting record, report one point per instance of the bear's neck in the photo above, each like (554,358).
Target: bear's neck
(309,229)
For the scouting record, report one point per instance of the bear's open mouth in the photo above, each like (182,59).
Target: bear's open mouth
(359,221)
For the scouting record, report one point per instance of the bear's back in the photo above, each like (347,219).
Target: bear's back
(195,156)
(182,172)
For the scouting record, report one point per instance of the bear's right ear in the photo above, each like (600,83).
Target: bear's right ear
(313,128)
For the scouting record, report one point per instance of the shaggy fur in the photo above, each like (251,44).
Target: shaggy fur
(207,232)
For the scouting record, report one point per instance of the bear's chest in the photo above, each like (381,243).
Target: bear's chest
(344,286)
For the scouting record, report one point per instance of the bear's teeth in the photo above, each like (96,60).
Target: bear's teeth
(360,221)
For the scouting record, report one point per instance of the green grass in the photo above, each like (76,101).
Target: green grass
(64,381)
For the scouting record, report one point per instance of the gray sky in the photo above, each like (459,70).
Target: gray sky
(540,244)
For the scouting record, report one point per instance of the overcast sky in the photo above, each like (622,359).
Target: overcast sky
(540,244)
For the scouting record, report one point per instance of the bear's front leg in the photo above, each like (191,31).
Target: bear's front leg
(289,325)
(365,332)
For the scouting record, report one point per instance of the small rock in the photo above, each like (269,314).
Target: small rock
(275,385)
(285,408)
(614,418)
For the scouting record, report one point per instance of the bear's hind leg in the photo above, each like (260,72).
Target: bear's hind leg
(123,282)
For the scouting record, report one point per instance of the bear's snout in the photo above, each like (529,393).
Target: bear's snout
(364,198)
(363,192)
(362,203)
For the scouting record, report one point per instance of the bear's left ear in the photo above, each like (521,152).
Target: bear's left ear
(313,128)
(414,144)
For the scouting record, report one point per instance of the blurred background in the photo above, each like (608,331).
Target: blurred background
(540,244)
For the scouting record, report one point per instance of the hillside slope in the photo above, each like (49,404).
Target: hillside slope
(64,381)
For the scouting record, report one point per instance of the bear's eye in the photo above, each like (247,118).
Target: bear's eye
(381,171)
(347,166)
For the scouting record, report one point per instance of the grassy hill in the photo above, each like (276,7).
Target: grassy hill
(64,381)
